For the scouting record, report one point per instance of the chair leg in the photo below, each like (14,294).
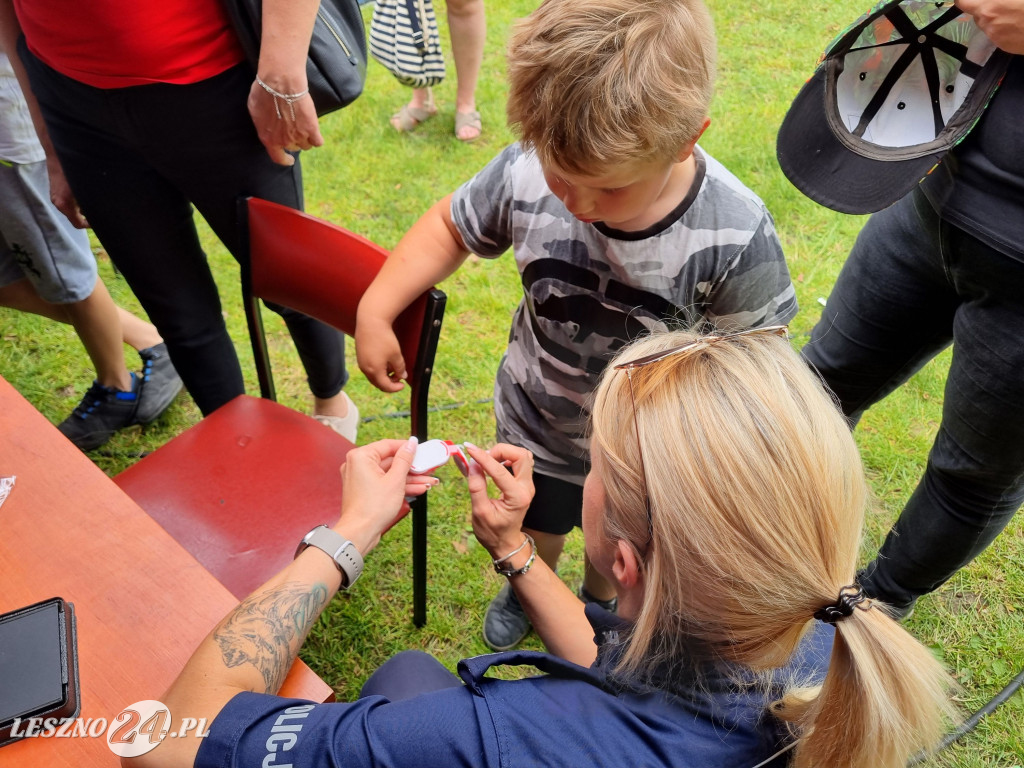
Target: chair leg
(419,561)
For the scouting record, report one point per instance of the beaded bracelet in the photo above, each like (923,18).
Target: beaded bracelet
(288,98)
(509,572)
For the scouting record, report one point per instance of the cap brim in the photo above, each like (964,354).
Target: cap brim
(827,171)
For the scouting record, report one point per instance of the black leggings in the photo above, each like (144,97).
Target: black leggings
(137,160)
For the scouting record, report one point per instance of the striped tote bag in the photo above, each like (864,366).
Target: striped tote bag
(404,38)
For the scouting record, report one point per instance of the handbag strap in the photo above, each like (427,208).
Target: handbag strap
(418,38)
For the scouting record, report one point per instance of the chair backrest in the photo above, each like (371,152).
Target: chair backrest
(322,270)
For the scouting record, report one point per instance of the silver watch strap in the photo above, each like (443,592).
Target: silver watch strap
(342,551)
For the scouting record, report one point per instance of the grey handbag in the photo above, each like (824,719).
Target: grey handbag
(336,65)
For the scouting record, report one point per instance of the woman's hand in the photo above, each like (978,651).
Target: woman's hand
(61,195)
(376,483)
(281,126)
(497,522)
(1001,20)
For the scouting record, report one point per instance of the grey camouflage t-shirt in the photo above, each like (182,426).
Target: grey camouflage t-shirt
(589,290)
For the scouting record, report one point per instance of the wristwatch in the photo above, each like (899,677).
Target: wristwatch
(342,551)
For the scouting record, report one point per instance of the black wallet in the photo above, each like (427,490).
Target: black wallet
(38,665)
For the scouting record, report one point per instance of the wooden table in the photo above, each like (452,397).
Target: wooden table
(142,602)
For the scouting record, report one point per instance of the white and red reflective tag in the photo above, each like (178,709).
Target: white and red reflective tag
(435,453)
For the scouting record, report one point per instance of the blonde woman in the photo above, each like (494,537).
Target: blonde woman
(724,504)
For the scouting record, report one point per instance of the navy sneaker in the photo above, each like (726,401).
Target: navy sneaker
(505,622)
(102,412)
(160,383)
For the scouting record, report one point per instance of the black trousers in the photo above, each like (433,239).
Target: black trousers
(137,159)
(912,285)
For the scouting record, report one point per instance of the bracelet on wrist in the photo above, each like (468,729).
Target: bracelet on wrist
(287,98)
(515,551)
(510,572)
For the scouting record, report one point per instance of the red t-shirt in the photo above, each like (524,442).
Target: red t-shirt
(117,43)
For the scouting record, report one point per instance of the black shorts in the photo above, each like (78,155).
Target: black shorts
(557,506)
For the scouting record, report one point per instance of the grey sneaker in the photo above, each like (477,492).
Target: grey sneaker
(160,383)
(102,412)
(505,622)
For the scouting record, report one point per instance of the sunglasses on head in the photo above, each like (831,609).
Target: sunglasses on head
(691,346)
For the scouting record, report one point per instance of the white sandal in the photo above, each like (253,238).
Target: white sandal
(347,426)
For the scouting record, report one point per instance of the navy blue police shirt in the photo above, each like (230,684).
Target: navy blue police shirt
(568,715)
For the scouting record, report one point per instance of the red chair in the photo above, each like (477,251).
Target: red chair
(240,488)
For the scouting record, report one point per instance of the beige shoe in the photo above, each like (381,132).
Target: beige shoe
(408,117)
(348,425)
(470,120)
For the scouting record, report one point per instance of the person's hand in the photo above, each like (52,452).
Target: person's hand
(497,522)
(284,127)
(375,485)
(61,195)
(1001,20)
(379,354)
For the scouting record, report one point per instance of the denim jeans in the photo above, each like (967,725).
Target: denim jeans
(912,285)
(137,159)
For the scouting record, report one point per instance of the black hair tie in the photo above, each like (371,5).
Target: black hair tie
(851,596)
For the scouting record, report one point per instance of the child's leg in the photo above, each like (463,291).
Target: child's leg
(136,332)
(98,325)
(549,549)
(549,545)
(57,259)
(594,583)
(22,296)
(62,283)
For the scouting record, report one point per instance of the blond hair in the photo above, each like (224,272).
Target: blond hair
(595,84)
(756,495)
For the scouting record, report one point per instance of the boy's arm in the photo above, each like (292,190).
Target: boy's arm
(60,192)
(428,253)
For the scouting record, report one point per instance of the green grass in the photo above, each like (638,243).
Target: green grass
(377,182)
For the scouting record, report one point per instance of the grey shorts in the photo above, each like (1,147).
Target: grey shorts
(38,242)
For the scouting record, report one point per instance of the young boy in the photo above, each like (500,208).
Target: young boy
(619,223)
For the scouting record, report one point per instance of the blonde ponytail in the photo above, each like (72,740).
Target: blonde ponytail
(884,699)
(756,495)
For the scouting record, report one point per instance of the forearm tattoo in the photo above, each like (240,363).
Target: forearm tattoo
(268,629)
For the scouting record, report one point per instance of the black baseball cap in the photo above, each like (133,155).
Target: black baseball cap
(890,97)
